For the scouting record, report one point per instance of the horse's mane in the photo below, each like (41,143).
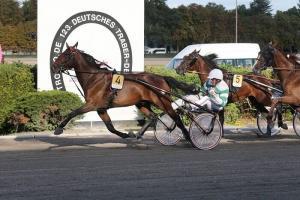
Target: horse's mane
(91,60)
(209,59)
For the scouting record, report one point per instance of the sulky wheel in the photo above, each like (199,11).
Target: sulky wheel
(205,131)
(166,131)
(296,123)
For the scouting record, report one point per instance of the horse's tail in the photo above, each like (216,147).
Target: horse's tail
(186,88)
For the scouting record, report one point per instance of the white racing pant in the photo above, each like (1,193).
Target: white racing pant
(200,100)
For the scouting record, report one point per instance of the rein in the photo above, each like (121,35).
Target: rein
(85,72)
(288,69)
(68,73)
(195,72)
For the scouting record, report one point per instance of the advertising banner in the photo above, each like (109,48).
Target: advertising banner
(109,30)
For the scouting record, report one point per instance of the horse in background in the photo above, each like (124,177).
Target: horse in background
(258,95)
(96,84)
(287,73)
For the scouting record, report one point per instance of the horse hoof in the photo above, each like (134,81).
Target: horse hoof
(284,126)
(131,135)
(187,138)
(58,131)
(138,136)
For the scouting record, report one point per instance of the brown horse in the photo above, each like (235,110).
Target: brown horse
(287,73)
(99,96)
(258,95)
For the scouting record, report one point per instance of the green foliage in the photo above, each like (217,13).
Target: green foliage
(236,70)
(260,7)
(185,25)
(232,113)
(18,25)
(30,10)
(10,13)
(15,80)
(163,71)
(19,37)
(39,111)
(268,73)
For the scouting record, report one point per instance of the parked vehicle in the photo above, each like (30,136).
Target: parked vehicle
(148,50)
(236,54)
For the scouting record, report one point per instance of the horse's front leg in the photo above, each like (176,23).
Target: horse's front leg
(280,119)
(102,112)
(84,109)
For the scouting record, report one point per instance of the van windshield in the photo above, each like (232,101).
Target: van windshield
(246,62)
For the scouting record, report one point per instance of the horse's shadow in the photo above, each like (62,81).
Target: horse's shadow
(249,135)
(90,142)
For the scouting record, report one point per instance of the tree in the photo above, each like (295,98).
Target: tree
(10,13)
(288,28)
(159,21)
(260,7)
(29,10)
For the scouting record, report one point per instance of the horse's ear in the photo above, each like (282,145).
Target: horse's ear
(274,43)
(68,46)
(198,51)
(76,45)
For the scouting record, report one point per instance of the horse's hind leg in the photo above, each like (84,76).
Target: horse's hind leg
(84,109)
(166,106)
(107,121)
(221,119)
(146,110)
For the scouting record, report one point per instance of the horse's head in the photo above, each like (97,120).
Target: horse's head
(65,60)
(265,59)
(188,63)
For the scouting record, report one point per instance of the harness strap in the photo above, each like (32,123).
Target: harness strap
(71,76)
(262,84)
(288,69)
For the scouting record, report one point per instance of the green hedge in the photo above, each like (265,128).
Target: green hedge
(15,80)
(161,70)
(38,111)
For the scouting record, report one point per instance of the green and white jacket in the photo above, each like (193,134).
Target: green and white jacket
(221,91)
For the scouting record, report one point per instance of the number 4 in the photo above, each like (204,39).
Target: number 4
(118,80)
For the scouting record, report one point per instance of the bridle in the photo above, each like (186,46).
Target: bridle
(269,61)
(67,59)
(191,62)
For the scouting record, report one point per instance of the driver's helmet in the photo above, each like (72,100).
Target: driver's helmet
(215,73)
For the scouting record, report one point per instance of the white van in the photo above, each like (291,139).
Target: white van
(236,54)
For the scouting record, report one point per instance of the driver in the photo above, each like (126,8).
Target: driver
(214,94)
